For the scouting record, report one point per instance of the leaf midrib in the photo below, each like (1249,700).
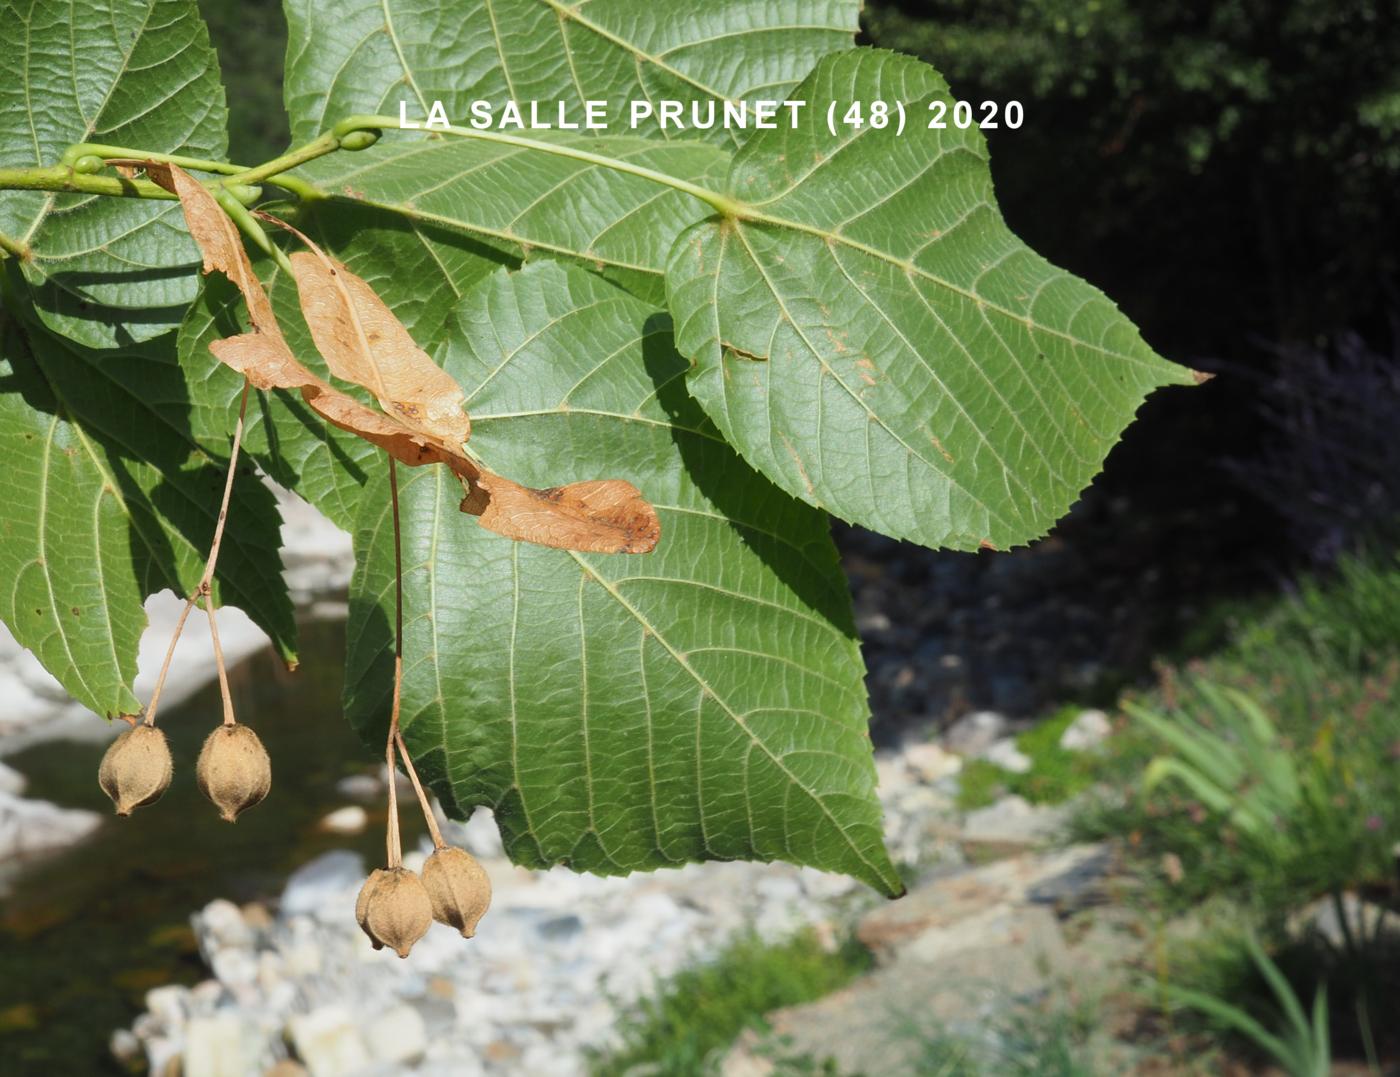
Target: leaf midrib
(707,690)
(746,215)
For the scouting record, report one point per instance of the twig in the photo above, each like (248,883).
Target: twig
(423,803)
(395,847)
(205,588)
(395,733)
(219,661)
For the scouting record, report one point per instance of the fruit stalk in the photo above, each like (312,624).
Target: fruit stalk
(205,588)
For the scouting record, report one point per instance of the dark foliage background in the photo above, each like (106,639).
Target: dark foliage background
(1230,173)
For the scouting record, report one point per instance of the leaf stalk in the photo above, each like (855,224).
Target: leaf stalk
(13,247)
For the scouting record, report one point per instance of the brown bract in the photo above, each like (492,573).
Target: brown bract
(263,355)
(607,516)
(424,420)
(364,343)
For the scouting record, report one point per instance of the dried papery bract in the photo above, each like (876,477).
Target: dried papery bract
(424,421)
(263,355)
(397,910)
(233,770)
(136,769)
(362,341)
(459,888)
(604,516)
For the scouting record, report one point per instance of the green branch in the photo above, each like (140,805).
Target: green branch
(74,173)
(273,170)
(65,178)
(73,154)
(238,173)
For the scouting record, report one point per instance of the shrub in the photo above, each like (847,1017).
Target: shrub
(681,1030)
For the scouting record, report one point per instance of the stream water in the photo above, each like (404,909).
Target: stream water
(85,933)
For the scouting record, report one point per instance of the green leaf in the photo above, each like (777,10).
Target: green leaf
(365,56)
(419,268)
(704,701)
(138,73)
(872,337)
(539,203)
(104,499)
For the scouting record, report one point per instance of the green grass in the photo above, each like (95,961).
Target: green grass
(1046,1039)
(1329,703)
(1267,778)
(682,1030)
(1056,773)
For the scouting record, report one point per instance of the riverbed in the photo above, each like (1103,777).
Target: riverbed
(85,933)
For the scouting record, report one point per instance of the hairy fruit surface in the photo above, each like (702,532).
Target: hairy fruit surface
(233,770)
(136,769)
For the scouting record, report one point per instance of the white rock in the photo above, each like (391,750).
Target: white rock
(317,556)
(219,1046)
(169,1005)
(1006,755)
(563,955)
(31,826)
(220,926)
(1364,919)
(1012,820)
(207,995)
(479,835)
(22,705)
(348,820)
(891,774)
(236,969)
(328,1042)
(125,1046)
(11,780)
(303,957)
(325,879)
(360,787)
(974,733)
(1086,732)
(931,762)
(36,678)
(397,1035)
(162,1055)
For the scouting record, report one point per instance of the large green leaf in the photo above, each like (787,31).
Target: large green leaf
(418,268)
(538,202)
(137,73)
(365,56)
(618,712)
(105,498)
(872,337)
